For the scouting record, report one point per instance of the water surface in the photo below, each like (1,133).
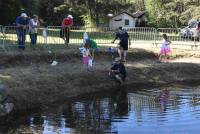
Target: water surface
(167,110)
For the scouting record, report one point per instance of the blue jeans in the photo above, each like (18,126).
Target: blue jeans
(33,38)
(21,36)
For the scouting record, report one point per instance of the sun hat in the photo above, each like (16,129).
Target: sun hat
(70,16)
(24,15)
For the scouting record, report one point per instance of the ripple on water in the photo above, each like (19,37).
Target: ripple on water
(168,110)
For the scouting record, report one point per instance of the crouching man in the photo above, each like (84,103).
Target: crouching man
(118,71)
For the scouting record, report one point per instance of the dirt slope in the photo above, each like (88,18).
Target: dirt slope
(30,81)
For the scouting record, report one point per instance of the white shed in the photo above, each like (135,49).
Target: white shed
(127,20)
(123,19)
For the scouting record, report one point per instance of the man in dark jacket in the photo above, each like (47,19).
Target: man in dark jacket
(123,36)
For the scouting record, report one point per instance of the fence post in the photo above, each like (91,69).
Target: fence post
(3,37)
(195,42)
(155,36)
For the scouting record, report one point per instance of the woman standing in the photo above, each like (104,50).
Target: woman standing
(33,30)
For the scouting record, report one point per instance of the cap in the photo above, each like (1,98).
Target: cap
(24,15)
(70,16)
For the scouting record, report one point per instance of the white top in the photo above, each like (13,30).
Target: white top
(85,52)
(33,26)
(44,32)
(165,43)
(197,32)
(85,37)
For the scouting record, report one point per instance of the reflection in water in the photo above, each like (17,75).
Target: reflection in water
(121,103)
(164,98)
(142,111)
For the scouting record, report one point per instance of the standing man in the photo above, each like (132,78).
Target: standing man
(123,36)
(66,25)
(22,22)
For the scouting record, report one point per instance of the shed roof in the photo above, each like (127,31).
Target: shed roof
(137,14)
(122,13)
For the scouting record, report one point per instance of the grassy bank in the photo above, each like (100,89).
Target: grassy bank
(31,81)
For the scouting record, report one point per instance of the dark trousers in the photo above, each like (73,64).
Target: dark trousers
(66,35)
(21,36)
(33,38)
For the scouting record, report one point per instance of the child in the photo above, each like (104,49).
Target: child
(118,71)
(112,52)
(197,32)
(165,49)
(87,58)
(44,35)
(93,45)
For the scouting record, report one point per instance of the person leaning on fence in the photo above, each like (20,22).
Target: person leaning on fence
(165,49)
(66,26)
(22,22)
(123,36)
(33,30)
(118,70)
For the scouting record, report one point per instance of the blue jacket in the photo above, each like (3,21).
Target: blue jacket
(22,21)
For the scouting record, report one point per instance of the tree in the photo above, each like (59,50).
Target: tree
(47,12)
(9,9)
(160,13)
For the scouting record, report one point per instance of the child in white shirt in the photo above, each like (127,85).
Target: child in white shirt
(87,58)
(165,49)
(44,35)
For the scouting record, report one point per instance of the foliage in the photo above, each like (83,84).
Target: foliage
(8,11)
(172,13)
(160,13)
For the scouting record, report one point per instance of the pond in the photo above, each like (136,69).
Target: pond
(159,110)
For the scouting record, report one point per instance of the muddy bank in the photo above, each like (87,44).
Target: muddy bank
(30,81)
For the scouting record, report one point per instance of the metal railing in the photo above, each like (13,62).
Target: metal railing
(102,35)
(2,37)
